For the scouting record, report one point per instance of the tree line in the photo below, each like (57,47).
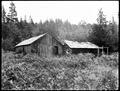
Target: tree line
(103,33)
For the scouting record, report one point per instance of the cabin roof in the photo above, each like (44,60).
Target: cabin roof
(30,40)
(33,39)
(75,44)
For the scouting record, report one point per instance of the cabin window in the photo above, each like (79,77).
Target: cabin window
(55,50)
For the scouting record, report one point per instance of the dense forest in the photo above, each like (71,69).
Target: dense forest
(103,33)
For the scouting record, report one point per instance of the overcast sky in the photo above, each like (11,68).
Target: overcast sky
(73,11)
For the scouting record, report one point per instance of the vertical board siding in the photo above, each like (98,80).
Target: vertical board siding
(27,49)
(60,50)
(18,49)
(60,46)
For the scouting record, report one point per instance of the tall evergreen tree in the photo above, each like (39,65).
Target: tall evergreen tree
(12,15)
(31,20)
(112,40)
(101,18)
(99,32)
(25,29)
(3,15)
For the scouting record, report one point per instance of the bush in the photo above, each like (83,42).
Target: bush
(107,82)
(82,72)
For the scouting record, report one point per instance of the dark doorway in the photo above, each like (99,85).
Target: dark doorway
(55,50)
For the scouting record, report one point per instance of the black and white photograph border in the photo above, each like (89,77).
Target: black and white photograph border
(60,45)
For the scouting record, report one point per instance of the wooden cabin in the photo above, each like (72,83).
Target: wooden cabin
(85,47)
(43,45)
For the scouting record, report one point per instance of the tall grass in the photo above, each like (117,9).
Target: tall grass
(82,72)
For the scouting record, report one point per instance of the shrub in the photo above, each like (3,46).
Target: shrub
(82,72)
(107,82)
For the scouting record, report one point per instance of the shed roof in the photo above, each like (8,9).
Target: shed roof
(30,40)
(75,44)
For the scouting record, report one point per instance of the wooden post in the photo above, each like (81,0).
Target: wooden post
(102,50)
(98,51)
(107,50)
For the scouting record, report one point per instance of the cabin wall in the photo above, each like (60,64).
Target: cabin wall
(59,45)
(49,44)
(19,49)
(27,49)
(42,46)
(46,45)
(67,49)
(84,50)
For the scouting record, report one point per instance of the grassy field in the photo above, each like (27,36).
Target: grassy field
(73,72)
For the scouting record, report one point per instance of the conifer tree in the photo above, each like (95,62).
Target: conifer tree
(3,15)
(101,18)
(12,15)
(31,20)
(99,31)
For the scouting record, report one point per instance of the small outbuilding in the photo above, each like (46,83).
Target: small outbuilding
(84,47)
(43,45)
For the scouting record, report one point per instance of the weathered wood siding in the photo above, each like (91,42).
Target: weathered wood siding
(58,44)
(44,46)
(27,49)
(19,49)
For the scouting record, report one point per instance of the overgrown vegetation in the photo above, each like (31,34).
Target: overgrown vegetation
(67,72)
